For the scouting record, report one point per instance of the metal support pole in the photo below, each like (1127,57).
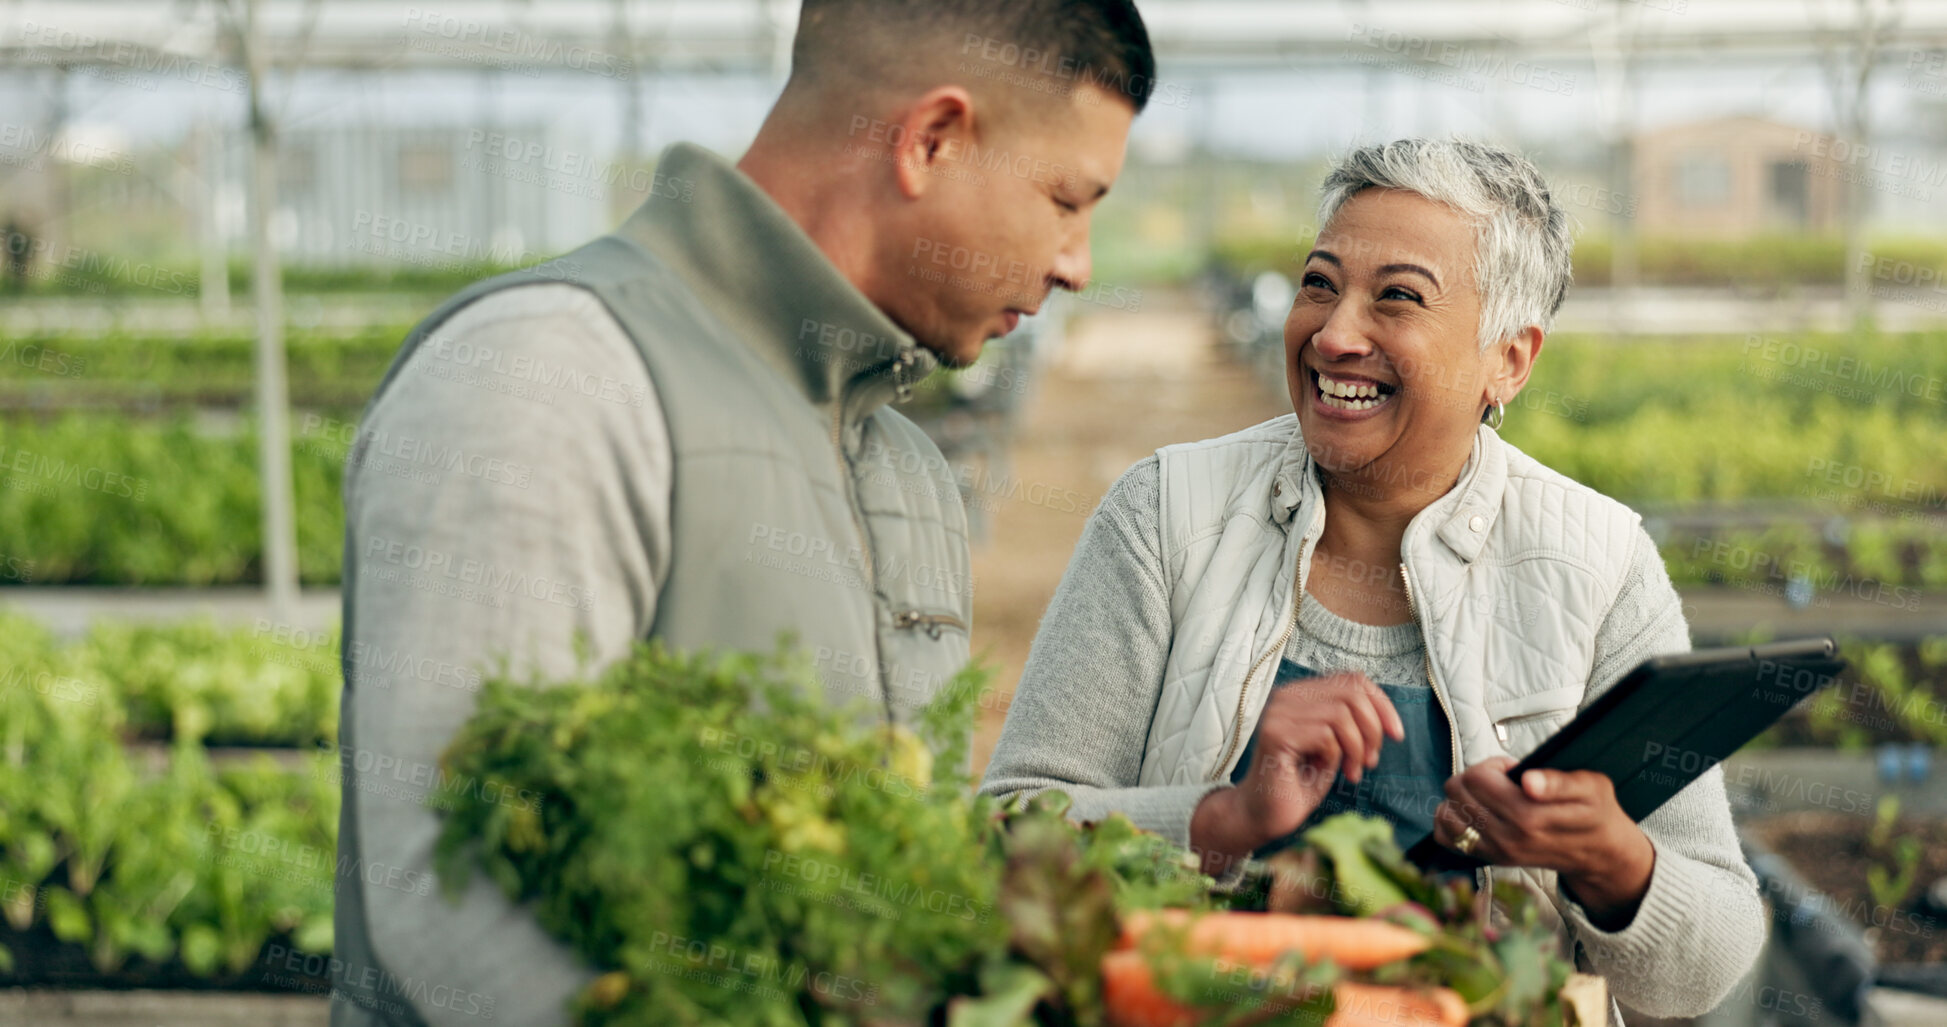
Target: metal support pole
(273,395)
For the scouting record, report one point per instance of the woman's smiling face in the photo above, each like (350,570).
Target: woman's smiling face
(1382,351)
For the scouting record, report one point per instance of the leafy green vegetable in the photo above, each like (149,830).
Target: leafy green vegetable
(1061,915)
(793,863)
(1009,995)
(1512,976)
(1364,886)
(781,870)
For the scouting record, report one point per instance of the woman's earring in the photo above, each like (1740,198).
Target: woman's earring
(1497,415)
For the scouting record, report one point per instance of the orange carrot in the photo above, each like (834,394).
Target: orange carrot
(1259,939)
(1132,999)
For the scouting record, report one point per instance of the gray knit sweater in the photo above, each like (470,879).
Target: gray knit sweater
(1080,718)
(1390,654)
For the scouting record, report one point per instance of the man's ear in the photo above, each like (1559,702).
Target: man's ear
(1518,353)
(936,130)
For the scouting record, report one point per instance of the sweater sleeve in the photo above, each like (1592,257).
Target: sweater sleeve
(493,509)
(1080,716)
(1701,924)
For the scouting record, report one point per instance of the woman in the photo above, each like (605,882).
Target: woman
(1375,603)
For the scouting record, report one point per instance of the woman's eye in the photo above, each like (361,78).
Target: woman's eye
(1399,293)
(1314,280)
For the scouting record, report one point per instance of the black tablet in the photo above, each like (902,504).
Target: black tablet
(1670,720)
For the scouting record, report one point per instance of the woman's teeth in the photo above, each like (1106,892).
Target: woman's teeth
(1343,395)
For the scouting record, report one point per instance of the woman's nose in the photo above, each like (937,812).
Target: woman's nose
(1342,334)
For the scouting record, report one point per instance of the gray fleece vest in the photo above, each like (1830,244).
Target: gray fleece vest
(801,506)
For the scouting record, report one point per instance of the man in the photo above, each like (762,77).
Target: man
(680,431)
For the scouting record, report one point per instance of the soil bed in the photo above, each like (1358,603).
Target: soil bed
(1830,852)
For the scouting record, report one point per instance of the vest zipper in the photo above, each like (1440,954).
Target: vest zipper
(903,390)
(1426,650)
(865,546)
(931,623)
(852,495)
(903,362)
(1291,625)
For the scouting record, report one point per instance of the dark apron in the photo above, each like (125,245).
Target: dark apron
(1406,786)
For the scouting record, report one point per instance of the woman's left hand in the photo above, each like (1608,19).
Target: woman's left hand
(1566,821)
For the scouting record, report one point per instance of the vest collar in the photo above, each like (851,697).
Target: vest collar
(1462,518)
(758,271)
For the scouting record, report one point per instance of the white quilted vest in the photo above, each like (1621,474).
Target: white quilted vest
(1510,574)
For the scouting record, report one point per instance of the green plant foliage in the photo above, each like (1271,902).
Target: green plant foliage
(791,863)
(1822,423)
(101,500)
(1895,861)
(1827,423)
(783,855)
(798,864)
(40,372)
(196,681)
(1349,865)
(187,681)
(1890,693)
(193,862)
(184,280)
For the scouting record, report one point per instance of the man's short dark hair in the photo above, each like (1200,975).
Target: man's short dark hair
(1047,46)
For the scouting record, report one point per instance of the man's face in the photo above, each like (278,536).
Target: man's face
(1002,220)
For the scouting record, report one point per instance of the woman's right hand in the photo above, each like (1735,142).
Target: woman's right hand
(1311,730)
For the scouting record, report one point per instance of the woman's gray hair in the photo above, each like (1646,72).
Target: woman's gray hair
(1522,240)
